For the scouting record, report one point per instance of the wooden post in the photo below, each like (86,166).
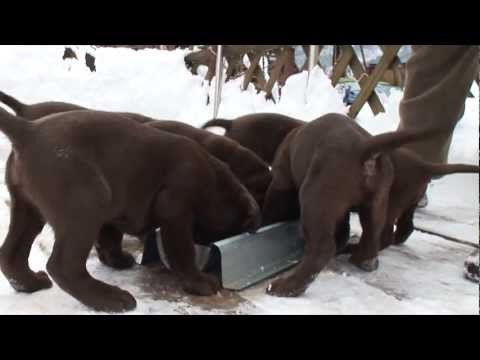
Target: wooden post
(312,57)
(281,59)
(312,60)
(341,65)
(360,74)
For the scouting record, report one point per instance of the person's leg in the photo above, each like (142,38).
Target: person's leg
(438,79)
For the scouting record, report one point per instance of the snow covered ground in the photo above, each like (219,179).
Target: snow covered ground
(422,277)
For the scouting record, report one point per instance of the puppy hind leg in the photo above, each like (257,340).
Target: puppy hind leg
(405,226)
(67,266)
(373,215)
(319,226)
(280,205)
(25,224)
(375,230)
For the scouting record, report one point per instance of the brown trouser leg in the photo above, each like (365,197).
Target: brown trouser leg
(438,79)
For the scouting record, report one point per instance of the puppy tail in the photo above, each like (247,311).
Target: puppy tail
(11,102)
(446,169)
(389,141)
(226,124)
(14,127)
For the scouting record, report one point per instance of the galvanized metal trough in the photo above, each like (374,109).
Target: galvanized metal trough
(243,260)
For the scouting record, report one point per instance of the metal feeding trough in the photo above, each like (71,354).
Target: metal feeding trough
(243,260)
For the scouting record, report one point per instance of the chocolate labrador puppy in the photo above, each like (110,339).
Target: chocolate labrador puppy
(331,166)
(262,133)
(88,172)
(252,171)
(36,111)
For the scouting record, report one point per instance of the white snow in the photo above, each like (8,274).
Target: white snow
(422,277)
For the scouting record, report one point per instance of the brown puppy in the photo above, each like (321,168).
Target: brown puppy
(252,171)
(246,165)
(86,171)
(262,133)
(334,165)
(40,110)
(36,111)
(109,252)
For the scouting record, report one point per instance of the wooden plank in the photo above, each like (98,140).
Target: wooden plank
(261,83)
(361,76)
(276,73)
(320,48)
(341,65)
(251,69)
(369,86)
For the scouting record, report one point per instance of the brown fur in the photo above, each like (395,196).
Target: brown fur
(252,171)
(245,164)
(332,166)
(36,111)
(94,175)
(261,133)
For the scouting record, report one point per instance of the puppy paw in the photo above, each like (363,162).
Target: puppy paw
(117,261)
(32,282)
(203,285)
(347,249)
(285,288)
(368,265)
(115,300)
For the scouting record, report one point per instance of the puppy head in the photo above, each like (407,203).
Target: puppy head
(235,210)
(251,170)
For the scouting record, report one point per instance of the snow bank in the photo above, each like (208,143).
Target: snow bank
(156,83)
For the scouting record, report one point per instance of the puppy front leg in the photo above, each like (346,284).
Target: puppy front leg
(280,205)
(109,249)
(177,237)
(281,200)
(342,234)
